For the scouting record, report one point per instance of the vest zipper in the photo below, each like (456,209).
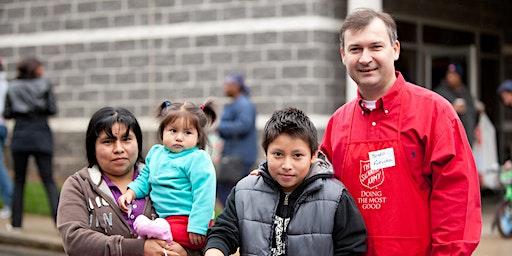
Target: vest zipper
(285,202)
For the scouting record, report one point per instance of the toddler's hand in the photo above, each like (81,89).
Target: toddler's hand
(255,172)
(126,199)
(196,239)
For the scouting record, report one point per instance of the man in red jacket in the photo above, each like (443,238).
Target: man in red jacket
(401,151)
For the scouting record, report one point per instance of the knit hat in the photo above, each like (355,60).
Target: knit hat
(239,80)
(506,86)
(457,68)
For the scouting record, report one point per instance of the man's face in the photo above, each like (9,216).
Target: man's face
(231,89)
(453,79)
(506,97)
(289,160)
(369,56)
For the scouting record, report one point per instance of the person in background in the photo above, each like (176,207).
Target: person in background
(89,220)
(5,179)
(30,101)
(452,89)
(237,128)
(505,92)
(294,206)
(401,151)
(179,175)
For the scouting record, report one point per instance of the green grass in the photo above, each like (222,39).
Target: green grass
(35,200)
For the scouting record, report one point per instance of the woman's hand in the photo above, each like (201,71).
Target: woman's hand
(196,239)
(126,199)
(154,247)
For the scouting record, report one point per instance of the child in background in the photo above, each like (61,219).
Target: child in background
(294,206)
(179,175)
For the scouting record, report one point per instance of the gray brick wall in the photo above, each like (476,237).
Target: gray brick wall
(53,15)
(283,68)
(267,59)
(70,158)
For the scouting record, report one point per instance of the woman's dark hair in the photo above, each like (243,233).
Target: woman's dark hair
(196,116)
(103,121)
(27,68)
(293,122)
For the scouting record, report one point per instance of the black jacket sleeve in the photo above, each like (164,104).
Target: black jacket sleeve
(224,234)
(349,234)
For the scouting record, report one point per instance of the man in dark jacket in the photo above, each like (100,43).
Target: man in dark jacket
(237,128)
(452,89)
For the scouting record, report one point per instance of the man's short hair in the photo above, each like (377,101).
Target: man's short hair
(293,122)
(361,17)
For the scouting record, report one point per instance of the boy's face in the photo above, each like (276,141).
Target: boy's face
(289,160)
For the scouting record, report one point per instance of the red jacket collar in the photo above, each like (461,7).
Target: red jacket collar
(388,100)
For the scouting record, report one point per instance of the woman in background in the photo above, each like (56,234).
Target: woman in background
(30,101)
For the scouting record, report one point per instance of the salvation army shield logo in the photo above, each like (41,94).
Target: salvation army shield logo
(368,177)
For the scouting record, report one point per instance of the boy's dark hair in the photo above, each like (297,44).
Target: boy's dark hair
(293,122)
(102,121)
(197,116)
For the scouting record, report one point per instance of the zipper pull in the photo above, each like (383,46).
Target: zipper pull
(285,202)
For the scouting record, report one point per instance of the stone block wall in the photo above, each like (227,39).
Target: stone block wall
(135,53)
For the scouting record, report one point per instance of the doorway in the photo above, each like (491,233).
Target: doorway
(438,58)
(482,82)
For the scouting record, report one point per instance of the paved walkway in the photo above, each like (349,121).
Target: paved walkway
(491,243)
(40,233)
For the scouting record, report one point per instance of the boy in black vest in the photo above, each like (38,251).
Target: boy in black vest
(294,206)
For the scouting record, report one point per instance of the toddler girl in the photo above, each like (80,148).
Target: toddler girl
(179,176)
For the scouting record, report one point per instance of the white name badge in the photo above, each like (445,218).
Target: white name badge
(382,158)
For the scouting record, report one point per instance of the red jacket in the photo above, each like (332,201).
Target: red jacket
(428,202)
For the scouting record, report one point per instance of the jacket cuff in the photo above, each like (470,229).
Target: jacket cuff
(131,246)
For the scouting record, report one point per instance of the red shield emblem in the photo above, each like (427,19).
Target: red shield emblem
(368,177)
